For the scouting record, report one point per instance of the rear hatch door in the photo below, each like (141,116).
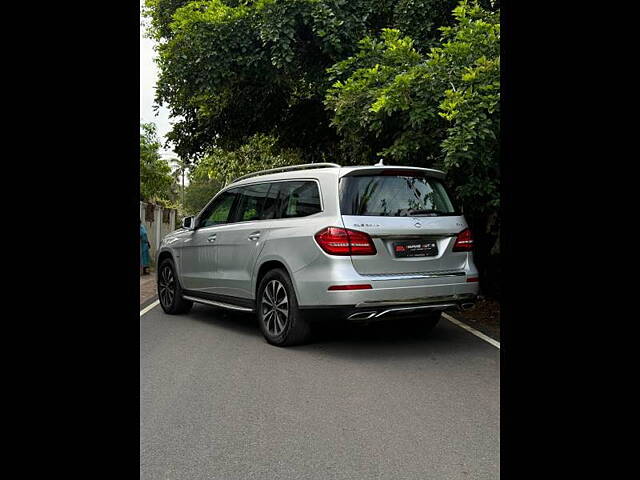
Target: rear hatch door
(410,218)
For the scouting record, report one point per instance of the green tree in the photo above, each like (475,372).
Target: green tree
(179,173)
(198,194)
(470,59)
(260,152)
(203,185)
(222,166)
(156,182)
(233,69)
(439,109)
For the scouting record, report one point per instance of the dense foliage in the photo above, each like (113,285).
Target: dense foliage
(258,153)
(439,109)
(198,193)
(223,166)
(232,69)
(157,185)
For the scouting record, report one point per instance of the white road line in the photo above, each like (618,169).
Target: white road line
(149,307)
(478,334)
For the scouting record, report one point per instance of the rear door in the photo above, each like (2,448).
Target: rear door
(240,241)
(410,218)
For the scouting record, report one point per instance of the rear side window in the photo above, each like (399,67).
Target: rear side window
(394,196)
(297,199)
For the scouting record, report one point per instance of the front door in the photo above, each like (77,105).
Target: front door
(199,254)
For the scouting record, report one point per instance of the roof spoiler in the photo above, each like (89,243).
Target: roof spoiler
(391,170)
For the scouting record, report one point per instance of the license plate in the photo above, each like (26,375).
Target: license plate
(423,248)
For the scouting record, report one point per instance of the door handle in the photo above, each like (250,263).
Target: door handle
(254,236)
(211,238)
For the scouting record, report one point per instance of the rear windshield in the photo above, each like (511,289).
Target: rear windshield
(394,196)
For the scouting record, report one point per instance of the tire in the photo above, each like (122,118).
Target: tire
(285,325)
(424,324)
(170,290)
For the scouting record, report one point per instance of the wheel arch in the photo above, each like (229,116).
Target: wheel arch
(167,253)
(267,265)
(163,254)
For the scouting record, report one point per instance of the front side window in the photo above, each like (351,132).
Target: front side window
(394,196)
(218,213)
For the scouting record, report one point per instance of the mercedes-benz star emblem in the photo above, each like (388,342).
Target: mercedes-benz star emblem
(417,224)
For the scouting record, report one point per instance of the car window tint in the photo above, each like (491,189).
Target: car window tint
(298,199)
(269,210)
(394,196)
(251,202)
(218,212)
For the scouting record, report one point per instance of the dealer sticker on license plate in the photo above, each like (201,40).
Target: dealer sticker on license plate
(416,249)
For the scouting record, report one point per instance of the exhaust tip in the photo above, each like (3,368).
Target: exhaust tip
(467,306)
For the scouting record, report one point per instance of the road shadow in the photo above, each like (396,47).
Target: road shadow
(238,322)
(341,338)
(391,339)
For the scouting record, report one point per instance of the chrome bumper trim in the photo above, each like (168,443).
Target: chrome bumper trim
(414,275)
(417,301)
(369,315)
(441,306)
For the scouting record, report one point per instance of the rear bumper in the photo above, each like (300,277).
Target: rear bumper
(446,288)
(376,311)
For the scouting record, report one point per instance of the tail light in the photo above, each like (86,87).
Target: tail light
(342,241)
(464,241)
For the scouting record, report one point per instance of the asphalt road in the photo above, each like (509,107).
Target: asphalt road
(218,402)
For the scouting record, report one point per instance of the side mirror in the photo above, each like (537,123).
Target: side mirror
(188,223)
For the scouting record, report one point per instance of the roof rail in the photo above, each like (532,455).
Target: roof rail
(287,169)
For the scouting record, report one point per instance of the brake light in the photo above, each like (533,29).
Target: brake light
(342,241)
(397,173)
(361,243)
(464,241)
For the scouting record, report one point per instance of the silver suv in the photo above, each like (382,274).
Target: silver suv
(300,244)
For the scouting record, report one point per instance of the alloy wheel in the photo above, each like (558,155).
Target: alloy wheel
(167,286)
(275,307)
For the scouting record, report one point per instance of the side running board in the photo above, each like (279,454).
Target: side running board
(215,303)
